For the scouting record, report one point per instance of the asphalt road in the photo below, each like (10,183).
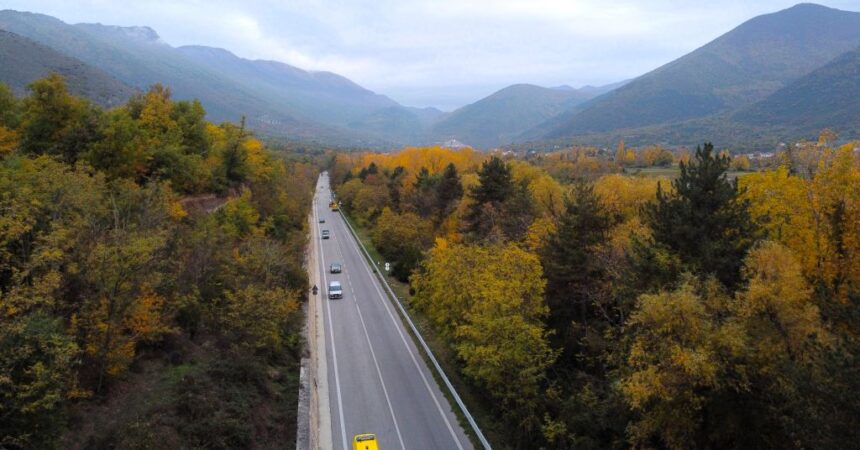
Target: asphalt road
(377,381)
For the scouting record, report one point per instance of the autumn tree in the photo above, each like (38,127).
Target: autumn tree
(99,258)
(402,238)
(122,307)
(9,119)
(815,215)
(741,162)
(655,156)
(707,370)
(489,301)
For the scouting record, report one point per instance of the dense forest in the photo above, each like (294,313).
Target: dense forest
(151,280)
(150,276)
(592,309)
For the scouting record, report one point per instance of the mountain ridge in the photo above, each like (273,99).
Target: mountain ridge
(500,117)
(138,57)
(828,97)
(727,73)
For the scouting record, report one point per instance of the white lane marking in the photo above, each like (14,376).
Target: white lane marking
(331,333)
(403,338)
(372,353)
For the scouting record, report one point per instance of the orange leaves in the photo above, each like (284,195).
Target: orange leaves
(145,320)
(8,140)
(175,211)
(434,159)
(114,342)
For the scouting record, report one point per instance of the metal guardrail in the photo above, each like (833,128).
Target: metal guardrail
(424,345)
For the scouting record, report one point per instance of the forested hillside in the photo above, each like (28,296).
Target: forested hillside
(733,71)
(132,318)
(25,61)
(590,309)
(827,97)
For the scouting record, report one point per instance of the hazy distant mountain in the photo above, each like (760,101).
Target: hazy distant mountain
(504,115)
(827,97)
(322,96)
(400,123)
(595,91)
(737,69)
(24,61)
(277,99)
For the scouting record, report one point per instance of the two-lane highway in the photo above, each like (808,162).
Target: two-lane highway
(377,381)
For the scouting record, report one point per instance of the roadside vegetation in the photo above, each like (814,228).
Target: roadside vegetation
(588,308)
(129,317)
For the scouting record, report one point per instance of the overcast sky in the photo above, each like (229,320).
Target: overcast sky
(443,53)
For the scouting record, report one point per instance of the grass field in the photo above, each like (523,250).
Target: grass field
(671,172)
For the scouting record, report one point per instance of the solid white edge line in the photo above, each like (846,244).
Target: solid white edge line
(397,325)
(331,334)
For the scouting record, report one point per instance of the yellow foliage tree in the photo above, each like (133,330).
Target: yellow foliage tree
(8,140)
(741,162)
(777,308)
(695,352)
(815,214)
(623,196)
(488,301)
(155,117)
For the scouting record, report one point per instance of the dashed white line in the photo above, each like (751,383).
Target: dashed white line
(372,353)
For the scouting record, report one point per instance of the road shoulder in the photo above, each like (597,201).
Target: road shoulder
(320,412)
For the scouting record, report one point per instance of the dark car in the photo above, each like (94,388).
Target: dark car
(325,234)
(322,220)
(335,268)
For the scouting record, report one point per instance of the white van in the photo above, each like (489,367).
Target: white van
(335,290)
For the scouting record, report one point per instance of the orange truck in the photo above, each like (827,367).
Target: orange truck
(333,205)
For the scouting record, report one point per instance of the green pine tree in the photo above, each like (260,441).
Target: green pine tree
(495,186)
(573,273)
(702,219)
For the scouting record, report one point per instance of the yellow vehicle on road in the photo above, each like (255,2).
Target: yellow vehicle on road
(364,442)
(333,206)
